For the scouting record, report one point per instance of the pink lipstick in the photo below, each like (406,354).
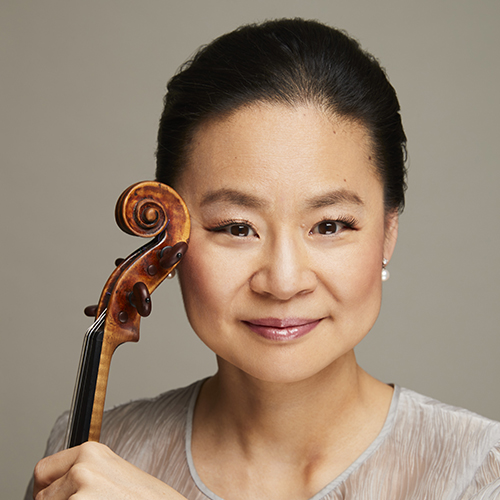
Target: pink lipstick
(282,329)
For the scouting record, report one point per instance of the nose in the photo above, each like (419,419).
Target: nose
(284,270)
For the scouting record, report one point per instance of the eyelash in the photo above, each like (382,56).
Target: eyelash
(226,225)
(346,221)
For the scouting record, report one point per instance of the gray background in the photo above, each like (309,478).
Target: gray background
(81,92)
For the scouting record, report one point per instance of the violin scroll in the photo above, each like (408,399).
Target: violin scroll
(141,209)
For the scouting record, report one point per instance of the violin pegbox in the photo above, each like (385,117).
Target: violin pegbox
(146,209)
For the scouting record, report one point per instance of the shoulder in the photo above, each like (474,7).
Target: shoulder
(148,420)
(422,411)
(142,419)
(167,406)
(437,422)
(451,439)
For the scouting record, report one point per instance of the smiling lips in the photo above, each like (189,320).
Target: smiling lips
(282,329)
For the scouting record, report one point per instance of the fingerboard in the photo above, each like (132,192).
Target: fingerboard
(83,396)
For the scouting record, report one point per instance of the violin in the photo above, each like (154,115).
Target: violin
(146,209)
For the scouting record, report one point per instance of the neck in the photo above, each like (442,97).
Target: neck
(284,440)
(299,416)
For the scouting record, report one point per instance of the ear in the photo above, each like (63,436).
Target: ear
(391,233)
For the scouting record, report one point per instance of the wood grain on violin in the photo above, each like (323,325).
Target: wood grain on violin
(146,209)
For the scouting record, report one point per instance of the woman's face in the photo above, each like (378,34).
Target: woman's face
(283,273)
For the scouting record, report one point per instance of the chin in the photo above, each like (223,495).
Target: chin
(284,369)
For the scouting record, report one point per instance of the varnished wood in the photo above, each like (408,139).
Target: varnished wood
(146,209)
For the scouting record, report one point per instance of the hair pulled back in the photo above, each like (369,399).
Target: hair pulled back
(290,62)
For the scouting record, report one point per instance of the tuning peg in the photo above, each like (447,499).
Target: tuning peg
(170,256)
(90,311)
(139,297)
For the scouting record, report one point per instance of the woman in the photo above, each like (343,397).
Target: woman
(286,143)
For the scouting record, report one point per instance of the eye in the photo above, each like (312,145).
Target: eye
(238,229)
(330,227)
(327,227)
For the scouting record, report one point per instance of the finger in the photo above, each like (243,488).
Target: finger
(51,468)
(61,489)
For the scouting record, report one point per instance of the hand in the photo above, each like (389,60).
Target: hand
(94,472)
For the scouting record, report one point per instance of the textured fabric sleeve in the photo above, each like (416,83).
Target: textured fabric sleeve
(54,444)
(486,484)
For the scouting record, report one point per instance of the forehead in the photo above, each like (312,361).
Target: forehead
(278,148)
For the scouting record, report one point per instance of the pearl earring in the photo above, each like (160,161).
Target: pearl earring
(385,272)
(171,274)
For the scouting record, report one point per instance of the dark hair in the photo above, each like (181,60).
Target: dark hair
(287,61)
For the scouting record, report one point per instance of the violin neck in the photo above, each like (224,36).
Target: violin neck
(83,397)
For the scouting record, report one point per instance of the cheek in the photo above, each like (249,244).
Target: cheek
(366,274)
(356,278)
(208,285)
(196,278)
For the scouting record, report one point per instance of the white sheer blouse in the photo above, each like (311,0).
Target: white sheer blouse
(426,450)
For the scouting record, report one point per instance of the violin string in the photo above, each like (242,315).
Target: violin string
(96,325)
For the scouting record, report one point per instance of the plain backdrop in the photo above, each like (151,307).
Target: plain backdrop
(82,85)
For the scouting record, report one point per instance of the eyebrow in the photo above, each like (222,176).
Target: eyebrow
(335,197)
(239,198)
(232,196)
